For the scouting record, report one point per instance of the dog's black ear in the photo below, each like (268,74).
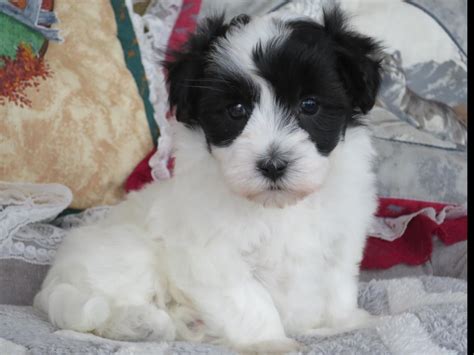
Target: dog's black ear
(185,67)
(358,59)
(240,20)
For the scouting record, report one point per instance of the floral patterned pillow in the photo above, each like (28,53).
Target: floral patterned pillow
(70,110)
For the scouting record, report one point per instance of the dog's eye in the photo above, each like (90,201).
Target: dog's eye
(309,106)
(237,111)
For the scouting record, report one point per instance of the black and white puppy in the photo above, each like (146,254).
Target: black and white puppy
(259,234)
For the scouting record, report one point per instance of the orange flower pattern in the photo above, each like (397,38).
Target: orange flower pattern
(16,75)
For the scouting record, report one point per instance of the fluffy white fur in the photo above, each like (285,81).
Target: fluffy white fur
(213,254)
(189,258)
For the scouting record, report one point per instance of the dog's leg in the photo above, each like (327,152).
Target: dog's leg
(235,308)
(105,280)
(342,300)
(245,316)
(357,319)
(145,322)
(342,313)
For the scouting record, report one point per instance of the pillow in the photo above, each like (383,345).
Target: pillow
(420,172)
(426,96)
(451,15)
(71,112)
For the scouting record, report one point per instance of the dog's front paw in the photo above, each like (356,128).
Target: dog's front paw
(274,346)
(158,326)
(139,323)
(361,316)
(324,332)
(357,319)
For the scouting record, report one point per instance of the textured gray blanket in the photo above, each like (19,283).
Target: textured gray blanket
(426,315)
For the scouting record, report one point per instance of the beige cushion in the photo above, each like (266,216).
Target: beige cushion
(86,127)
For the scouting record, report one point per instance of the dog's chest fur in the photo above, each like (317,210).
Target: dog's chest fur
(296,252)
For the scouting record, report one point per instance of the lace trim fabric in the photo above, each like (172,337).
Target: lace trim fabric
(21,206)
(26,211)
(153,30)
(390,229)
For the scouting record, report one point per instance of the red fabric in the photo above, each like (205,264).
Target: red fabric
(453,230)
(416,244)
(141,175)
(185,23)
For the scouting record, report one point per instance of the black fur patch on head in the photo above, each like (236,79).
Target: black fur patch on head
(327,64)
(324,66)
(202,92)
(186,66)
(298,71)
(359,59)
(223,91)
(242,19)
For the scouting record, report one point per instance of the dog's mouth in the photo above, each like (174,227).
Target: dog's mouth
(275,188)
(276,196)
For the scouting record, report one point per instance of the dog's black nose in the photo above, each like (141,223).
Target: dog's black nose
(272,168)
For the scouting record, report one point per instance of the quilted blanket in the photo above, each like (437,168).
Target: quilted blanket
(426,315)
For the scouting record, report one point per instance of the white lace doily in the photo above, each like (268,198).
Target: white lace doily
(25,212)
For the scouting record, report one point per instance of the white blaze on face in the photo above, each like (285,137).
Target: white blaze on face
(268,129)
(234,51)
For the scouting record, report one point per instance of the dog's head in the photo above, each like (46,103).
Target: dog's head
(273,98)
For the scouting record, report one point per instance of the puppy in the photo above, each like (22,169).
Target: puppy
(259,234)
